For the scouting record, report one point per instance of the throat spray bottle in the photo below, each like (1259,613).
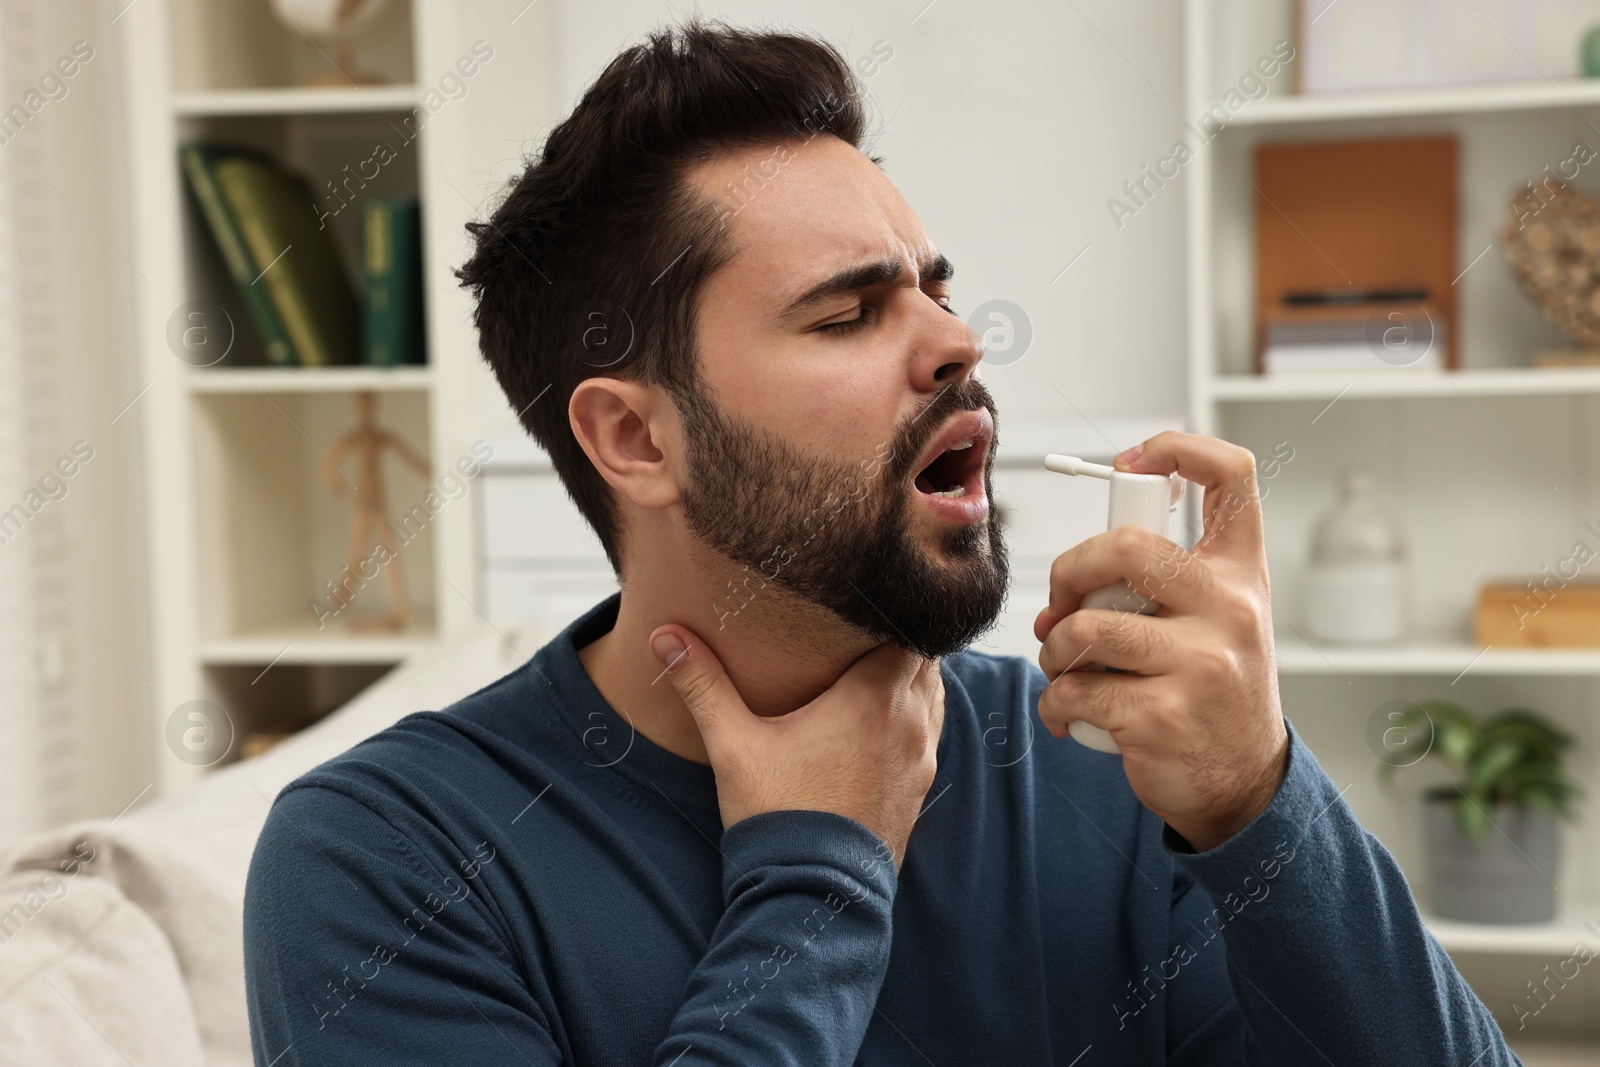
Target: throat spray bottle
(1143,500)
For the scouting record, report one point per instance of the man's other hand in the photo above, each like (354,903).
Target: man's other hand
(866,748)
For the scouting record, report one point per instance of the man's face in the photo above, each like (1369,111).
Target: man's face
(810,440)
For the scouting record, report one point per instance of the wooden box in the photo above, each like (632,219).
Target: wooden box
(1550,615)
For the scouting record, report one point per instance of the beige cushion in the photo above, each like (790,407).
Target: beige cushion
(136,954)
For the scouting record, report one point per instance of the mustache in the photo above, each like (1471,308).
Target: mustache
(969,394)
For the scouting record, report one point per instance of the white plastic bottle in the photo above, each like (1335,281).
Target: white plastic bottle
(1144,500)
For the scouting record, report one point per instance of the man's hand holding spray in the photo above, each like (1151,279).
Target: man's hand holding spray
(1191,697)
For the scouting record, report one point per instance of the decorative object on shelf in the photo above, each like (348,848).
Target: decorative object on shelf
(338,26)
(1356,579)
(1567,357)
(391,263)
(1548,610)
(1493,835)
(1551,242)
(1589,53)
(1380,44)
(372,542)
(294,259)
(1353,266)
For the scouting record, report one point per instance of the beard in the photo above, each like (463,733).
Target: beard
(840,533)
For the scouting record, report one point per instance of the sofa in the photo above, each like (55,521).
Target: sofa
(121,939)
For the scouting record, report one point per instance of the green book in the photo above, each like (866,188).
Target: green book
(197,161)
(391,263)
(294,259)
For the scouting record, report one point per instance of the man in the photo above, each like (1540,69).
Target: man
(762,807)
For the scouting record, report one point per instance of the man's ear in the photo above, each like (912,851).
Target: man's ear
(629,430)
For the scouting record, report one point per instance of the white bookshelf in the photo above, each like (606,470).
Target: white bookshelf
(1490,468)
(242,531)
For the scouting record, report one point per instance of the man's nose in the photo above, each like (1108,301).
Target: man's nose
(950,351)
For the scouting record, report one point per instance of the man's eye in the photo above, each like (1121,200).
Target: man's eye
(848,325)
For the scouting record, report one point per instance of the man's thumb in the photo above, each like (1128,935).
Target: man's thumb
(697,675)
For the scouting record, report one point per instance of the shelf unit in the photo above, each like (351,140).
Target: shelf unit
(243,533)
(1490,468)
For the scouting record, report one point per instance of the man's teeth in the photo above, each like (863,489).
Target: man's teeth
(954,492)
(958,448)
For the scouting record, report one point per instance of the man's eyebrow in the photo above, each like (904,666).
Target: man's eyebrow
(938,268)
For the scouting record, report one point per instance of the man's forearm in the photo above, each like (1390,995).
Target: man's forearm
(796,962)
(1328,957)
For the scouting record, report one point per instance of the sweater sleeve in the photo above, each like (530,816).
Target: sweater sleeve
(357,951)
(796,961)
(1325,949)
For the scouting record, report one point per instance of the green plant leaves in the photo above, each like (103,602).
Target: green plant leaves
(1471,817)
(1512,757)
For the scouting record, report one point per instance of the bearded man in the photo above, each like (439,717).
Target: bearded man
(763,806)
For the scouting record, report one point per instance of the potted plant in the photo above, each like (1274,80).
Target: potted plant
(1492,834)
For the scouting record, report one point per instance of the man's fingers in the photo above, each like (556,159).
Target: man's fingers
(1127,705)
(1232,504)
(1110,638)
(1158,569)
(698,676)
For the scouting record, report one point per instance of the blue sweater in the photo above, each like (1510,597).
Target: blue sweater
(520,879)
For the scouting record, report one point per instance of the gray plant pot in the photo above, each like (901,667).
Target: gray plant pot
(1505,878)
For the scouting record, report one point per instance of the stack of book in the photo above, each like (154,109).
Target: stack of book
(1354,329)
(289,274)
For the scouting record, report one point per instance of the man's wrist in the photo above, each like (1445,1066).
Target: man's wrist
(1204,835)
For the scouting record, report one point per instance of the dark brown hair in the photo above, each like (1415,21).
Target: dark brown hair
(593,262)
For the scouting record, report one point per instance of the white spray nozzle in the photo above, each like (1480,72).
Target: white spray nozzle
(1073,465)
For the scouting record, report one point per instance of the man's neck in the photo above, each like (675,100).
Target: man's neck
(780,654)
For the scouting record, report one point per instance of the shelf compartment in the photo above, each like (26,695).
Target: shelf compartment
(272,534)
(281,699)
(295,101)
(241,44)
(338,155)
(1498,328)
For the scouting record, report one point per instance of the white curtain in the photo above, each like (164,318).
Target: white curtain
(32,728)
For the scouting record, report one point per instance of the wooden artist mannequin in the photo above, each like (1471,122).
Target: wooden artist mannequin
(369,524)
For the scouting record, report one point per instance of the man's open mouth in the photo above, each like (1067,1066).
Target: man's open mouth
(952,468)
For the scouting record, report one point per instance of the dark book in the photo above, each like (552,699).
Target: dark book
(197,161)
(295,259)
(391,262)
(1355,294)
